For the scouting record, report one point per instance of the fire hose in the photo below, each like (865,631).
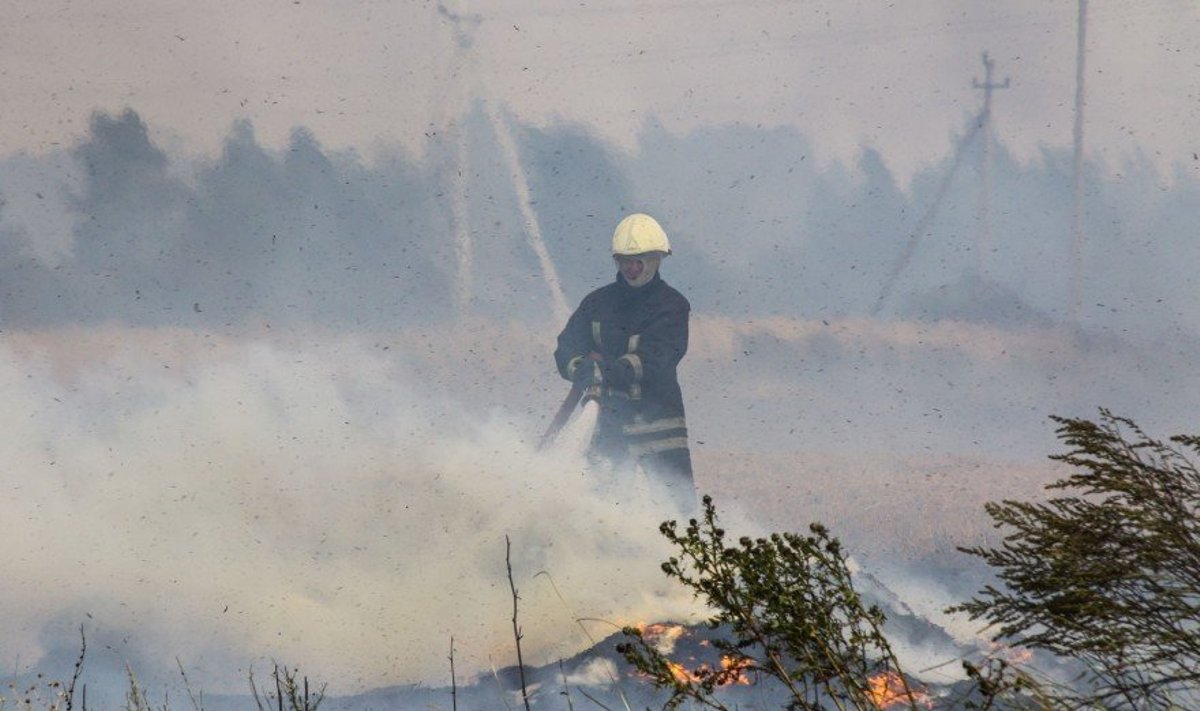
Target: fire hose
(564,413)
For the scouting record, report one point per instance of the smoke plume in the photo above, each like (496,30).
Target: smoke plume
(230,501)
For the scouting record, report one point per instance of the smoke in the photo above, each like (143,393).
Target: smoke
(228,501)
(245,420)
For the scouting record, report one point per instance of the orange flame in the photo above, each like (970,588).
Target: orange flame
(887,689)
(662,629)
(681,672)
(663,636)
(736,665)
(685,675)
(1017,656)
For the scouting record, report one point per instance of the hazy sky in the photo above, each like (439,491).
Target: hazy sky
(894,75)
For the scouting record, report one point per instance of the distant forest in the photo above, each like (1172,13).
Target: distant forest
(305,235)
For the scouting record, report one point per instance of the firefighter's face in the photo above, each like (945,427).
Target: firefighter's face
(631,267)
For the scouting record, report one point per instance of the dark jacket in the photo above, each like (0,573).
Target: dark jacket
(641,335)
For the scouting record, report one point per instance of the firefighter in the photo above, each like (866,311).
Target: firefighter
(623,345)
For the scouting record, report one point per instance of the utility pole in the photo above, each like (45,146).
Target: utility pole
(985,126)
(466,68)
(1077,167)
(463,70)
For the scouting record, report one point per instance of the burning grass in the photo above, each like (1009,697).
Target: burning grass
(784,609)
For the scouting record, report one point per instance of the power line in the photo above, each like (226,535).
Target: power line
(910,245)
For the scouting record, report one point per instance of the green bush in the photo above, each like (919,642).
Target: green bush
(784,608)
(1108,573)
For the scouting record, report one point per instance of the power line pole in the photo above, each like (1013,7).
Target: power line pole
(1077,175)
(985,125)
(455,105)
(467,75)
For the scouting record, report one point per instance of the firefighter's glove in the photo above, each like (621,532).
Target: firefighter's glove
(588,372)
(619,374)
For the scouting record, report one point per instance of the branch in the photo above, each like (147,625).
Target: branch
(516,628)
(453,681)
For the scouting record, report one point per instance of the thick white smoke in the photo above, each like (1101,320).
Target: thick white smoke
(229,501)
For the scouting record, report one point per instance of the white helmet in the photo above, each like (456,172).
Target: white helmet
(639,234)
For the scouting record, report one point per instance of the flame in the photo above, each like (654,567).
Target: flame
(740,666)
(681,672)
(662,629)
(663,636)
(686,676)
(887,689)
(1019,656)
(1016,656)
